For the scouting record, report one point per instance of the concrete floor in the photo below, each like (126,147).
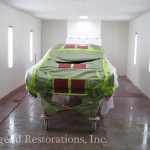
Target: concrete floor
(126,127)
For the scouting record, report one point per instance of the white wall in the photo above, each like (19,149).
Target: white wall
(12,78)
(139,73)
(115,44)
(53,32)
(83,29)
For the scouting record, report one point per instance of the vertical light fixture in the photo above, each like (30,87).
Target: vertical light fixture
(135,48)
(149,64)
(10,47)
(31,45)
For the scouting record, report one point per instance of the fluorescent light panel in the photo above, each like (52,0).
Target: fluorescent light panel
(31,45)
(149,64)
(83,17)
(10,47)
(135,48)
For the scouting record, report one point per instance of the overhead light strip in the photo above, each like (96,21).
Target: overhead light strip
(83,17)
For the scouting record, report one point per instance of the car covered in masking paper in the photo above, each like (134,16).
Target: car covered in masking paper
(72,70)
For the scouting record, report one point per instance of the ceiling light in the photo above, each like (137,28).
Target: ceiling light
(78,0)
(83,17)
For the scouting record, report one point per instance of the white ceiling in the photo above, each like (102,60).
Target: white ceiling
(123,10)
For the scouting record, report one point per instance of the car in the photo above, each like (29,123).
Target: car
(69,70)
